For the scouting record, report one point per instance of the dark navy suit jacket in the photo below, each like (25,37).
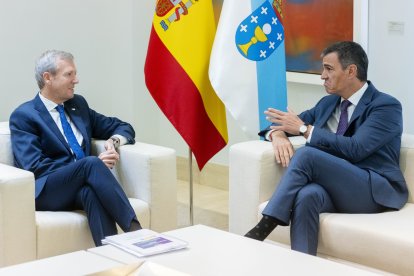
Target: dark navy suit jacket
(372,141)
(39,146)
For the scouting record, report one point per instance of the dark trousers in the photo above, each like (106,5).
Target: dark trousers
(89,185)
(316,182)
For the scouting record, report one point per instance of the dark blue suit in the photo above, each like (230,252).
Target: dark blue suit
(61,183)
(354,173)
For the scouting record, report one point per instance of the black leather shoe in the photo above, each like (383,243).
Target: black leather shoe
(135,225)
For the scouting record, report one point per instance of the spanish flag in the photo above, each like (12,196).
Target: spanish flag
(176,74)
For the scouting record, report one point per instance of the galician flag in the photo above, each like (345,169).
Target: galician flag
(176,74)
(247,65)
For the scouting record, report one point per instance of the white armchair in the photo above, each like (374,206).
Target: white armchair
(146,172)
(383,241)
(253,176)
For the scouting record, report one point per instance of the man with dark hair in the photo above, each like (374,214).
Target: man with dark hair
(51,137)
(350,163)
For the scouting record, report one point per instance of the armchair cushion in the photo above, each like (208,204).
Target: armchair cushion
(6,155)
(71,230)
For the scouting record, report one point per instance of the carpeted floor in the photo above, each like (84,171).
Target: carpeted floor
(202,216)
(210,206)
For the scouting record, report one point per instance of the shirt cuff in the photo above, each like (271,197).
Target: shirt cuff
(122,140)
(268,135)
(310,135)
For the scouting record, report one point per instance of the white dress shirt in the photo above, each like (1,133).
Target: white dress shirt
(50,106)
(332,124)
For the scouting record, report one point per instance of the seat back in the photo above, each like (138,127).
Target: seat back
(406,163)
(6,154)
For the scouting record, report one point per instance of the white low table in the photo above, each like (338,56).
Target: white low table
(215,252)
(75,263)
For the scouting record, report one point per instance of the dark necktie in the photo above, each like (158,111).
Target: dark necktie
(70,136)
(343,119)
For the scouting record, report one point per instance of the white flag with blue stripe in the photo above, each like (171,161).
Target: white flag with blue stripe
(247,63)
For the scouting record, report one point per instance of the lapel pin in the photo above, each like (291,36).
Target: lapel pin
(73,108)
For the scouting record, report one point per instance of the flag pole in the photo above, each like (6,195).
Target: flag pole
(190,163)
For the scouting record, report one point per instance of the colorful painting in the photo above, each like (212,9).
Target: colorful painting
(312,25)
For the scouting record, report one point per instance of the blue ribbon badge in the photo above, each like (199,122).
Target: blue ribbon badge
(258,36)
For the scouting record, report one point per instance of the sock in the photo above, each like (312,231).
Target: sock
(135,225)
(265,226)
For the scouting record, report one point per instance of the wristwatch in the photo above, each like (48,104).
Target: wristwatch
(116,141)
(303,129)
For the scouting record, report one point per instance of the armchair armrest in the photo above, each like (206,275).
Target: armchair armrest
(17,216)
(148,172)
(253,177)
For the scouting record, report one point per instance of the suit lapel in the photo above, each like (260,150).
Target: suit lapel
(75,116)
(45,115)
(363,102)
(329,108)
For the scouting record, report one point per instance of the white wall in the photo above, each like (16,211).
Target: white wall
(391,54)
(109,39)
(146,113)
(97,32)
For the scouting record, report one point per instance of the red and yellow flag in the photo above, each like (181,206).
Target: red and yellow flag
(176,74)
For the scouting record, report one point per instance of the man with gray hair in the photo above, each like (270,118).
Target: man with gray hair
(51,137)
